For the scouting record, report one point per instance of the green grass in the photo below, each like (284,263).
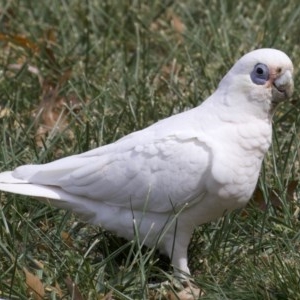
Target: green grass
(129,68)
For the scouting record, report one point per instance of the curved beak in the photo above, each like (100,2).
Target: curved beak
(283,87)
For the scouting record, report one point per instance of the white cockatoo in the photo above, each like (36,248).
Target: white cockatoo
(178,173)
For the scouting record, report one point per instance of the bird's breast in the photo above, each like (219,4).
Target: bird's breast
(236,165)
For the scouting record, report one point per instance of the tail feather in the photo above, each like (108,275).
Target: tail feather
(33,190)
(56,196)
(7,177)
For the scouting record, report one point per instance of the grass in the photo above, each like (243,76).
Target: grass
(105,69)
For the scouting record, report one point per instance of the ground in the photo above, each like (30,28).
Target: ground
(79,74)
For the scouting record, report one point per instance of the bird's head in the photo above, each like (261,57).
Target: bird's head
(264,76)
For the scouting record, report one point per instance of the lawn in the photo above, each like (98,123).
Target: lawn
(75,75)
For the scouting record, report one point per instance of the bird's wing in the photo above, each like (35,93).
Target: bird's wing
(146,170)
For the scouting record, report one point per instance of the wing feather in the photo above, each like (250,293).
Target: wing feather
(131,178)
(160,167)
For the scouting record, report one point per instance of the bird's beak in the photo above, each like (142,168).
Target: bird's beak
(283,87)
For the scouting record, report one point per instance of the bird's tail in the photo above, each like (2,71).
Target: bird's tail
(8,183)
(48,194)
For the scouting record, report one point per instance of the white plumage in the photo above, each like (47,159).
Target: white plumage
(196,165)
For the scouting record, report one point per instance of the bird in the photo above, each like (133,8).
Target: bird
(191,168)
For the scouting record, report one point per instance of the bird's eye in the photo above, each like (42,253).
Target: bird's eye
(260,74)
(259,71)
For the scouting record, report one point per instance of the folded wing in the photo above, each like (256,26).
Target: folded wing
(158,176)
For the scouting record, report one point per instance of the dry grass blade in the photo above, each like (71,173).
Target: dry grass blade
(54,109)
(108,296)
(35,286)
(73,289)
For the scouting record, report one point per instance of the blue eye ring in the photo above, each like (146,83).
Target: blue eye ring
(260,74)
